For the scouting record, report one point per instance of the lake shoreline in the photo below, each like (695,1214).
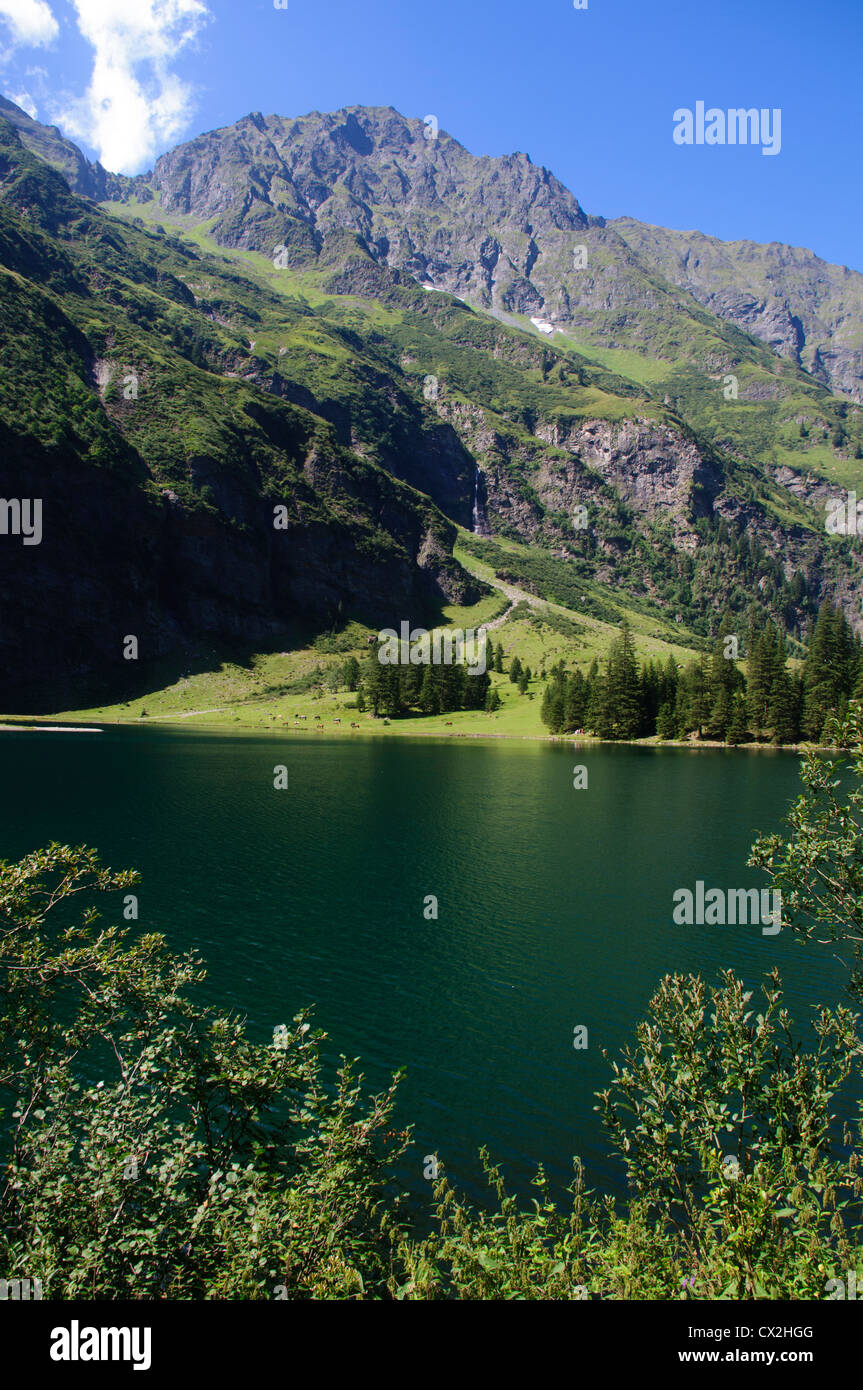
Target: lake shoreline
(402,729)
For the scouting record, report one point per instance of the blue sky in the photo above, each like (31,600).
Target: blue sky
(589,93)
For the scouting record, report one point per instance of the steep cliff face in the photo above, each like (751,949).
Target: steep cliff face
(532,486)
(159,479)
(803,307)
(426,454)
(660,473)
(116,560)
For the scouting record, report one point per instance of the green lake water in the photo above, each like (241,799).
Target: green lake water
(555,905)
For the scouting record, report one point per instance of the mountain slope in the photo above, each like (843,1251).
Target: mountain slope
(800,305)
(507,237)
(159,467)
(47,143)
(194,383)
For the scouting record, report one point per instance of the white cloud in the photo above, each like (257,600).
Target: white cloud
(31,21)
(26,102)
(134,103)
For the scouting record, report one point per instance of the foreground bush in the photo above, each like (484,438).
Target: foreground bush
(723,1126)
(199,1164)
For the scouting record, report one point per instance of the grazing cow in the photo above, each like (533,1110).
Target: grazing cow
(337,721)
(448,724)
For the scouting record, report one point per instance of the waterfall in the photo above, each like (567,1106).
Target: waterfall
(480,511)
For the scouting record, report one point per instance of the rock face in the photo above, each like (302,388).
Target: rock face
(270,180)
(805,309)
(504,234)
(659,474)
(116,560)
(662,476)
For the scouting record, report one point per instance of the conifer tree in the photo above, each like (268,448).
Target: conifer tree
(429,700)
(622,707)
(665,725)
(410,685)
(649,696)
(597,717)
(782,713)
(692,709)
(737,727)
(720,714)
(577,693)
(452,680)
(830,672)
(552,709)
(475,690)
(668,685)
(762,670)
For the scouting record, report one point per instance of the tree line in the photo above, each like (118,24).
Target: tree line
(403,691)
(711,696)
(399,691)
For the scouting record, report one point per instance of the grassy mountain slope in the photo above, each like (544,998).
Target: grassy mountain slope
(549,430)
(806,309)
(82,176)
(507,237)
(125,408)
(168,389)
